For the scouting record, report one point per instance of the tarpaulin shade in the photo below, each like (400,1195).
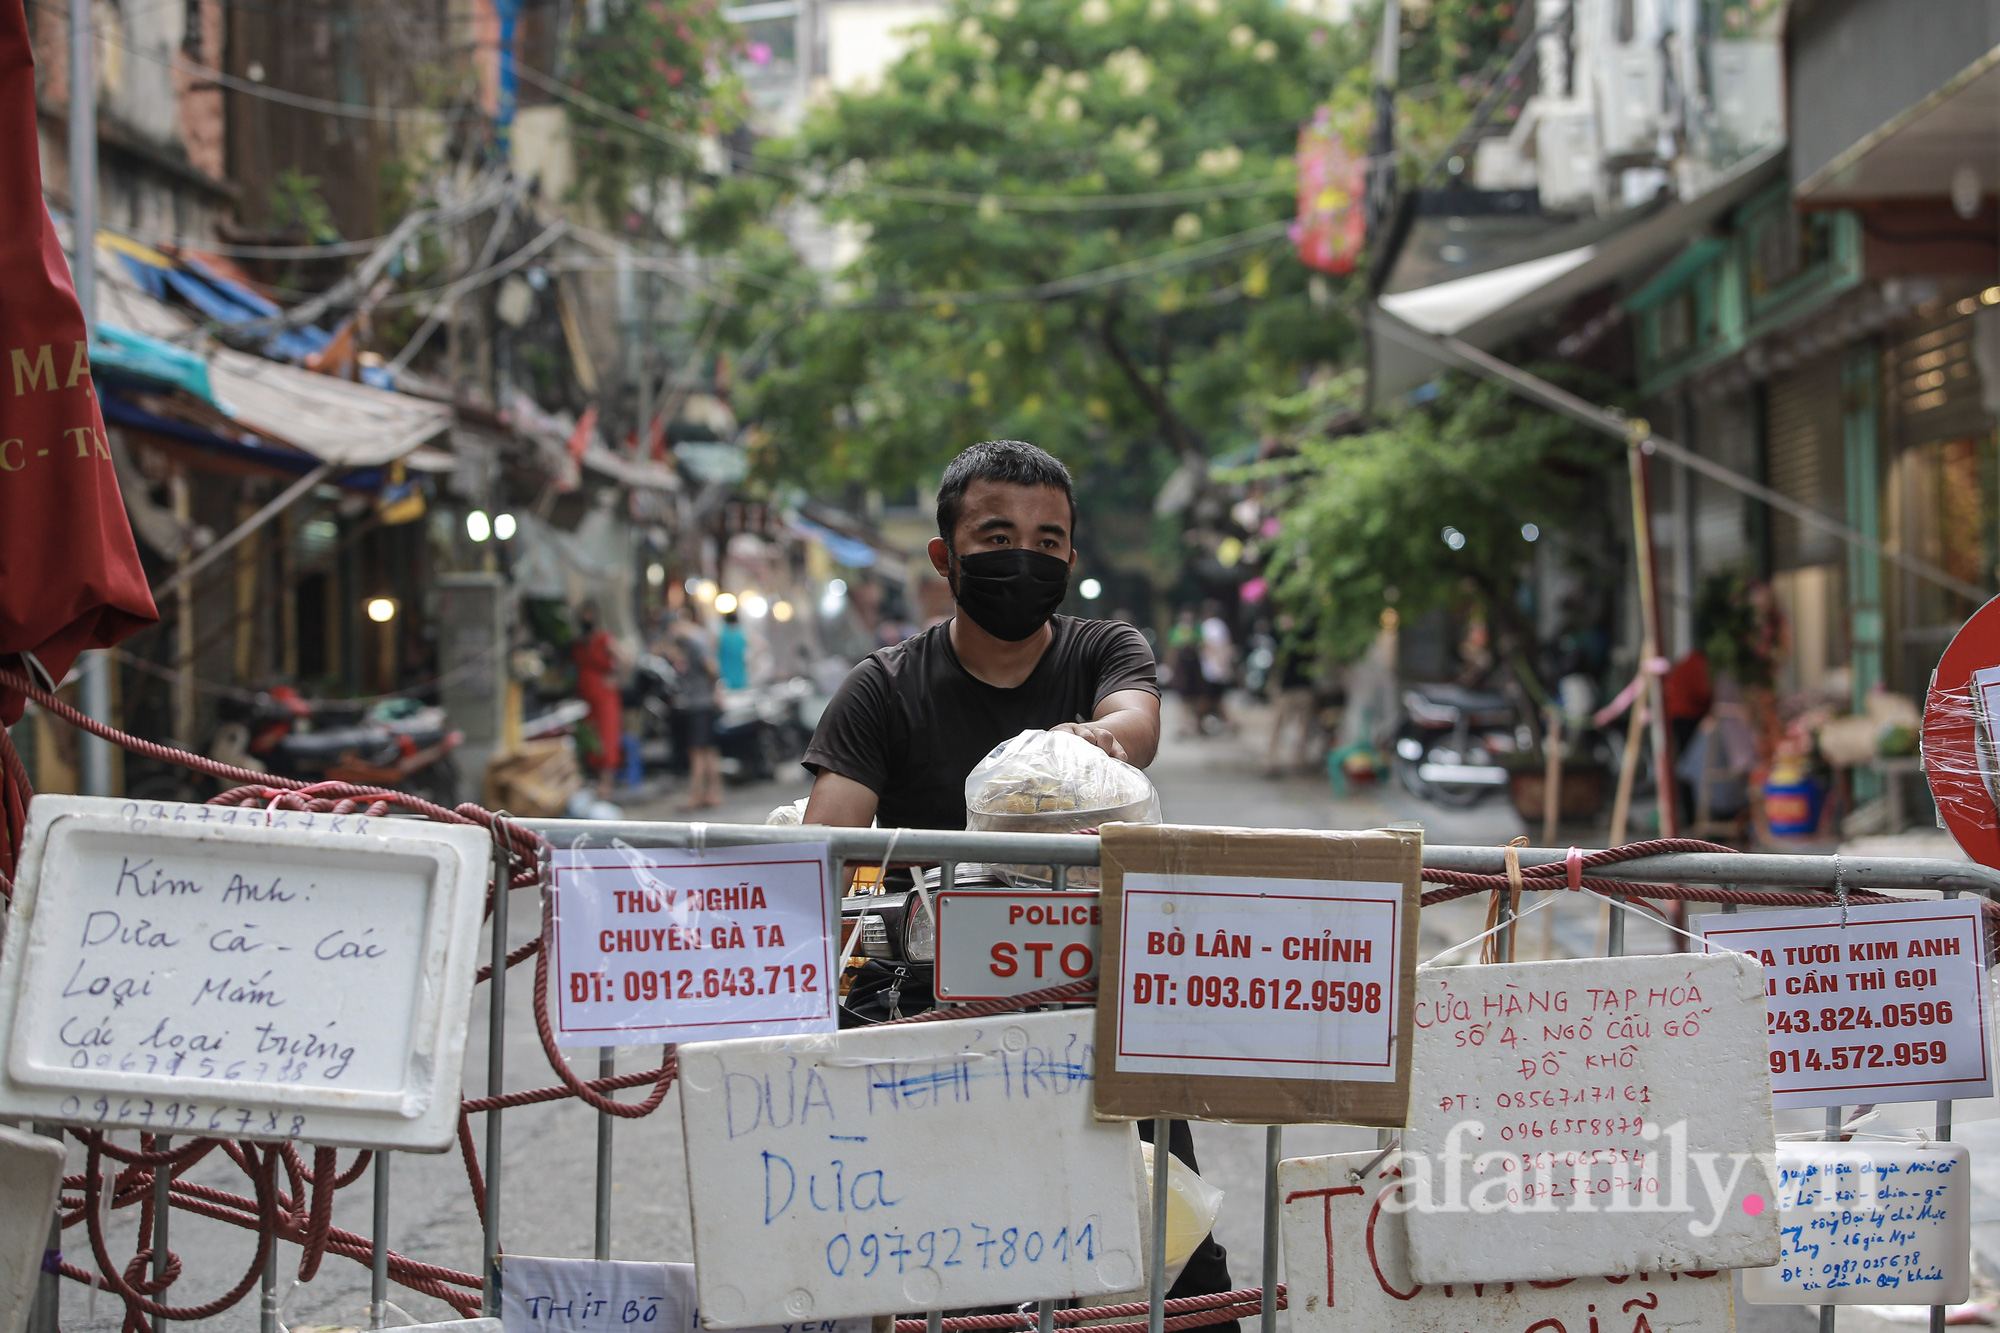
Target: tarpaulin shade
(70,577)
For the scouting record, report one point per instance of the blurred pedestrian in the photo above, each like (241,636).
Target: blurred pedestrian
(1184,648)
(732,650)
(596,658)
(1293,703)
(697,709)
(1218,659)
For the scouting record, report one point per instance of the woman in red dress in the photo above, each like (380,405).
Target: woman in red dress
(595,659)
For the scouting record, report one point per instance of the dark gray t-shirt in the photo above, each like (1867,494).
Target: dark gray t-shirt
(909,723)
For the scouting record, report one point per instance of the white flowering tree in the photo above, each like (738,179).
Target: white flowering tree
(1072,216)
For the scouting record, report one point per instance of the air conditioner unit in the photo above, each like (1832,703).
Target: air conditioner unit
(1566,159)
(1629,94)
(1749,107)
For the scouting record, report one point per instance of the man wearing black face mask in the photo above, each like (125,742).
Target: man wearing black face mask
(910,722)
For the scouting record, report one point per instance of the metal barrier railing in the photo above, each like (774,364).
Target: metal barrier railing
(1729,877)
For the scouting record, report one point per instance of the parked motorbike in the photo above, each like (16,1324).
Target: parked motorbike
(758,731)
(1451,745)
(396,743)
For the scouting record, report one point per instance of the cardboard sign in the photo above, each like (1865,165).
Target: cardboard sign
(31,1169)
(611,1296)
(191,969)
(1587,1117)
(995,943)
(1887,1006)
(658,944)
(1260,976)
(938,1165)
(1347,1269)
(1870,1224)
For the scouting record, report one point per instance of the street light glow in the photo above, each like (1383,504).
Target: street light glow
(781,611)
(1530,532)
(1091,589)
(725,602)
(755,606)
(656,575)
(1454,539)
(478,526)
(503,526)
(382,610)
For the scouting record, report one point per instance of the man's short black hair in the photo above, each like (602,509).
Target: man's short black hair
(1015,462)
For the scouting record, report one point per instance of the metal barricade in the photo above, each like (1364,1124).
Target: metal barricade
(1813,878)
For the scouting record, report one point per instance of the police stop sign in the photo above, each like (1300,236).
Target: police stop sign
(996,943)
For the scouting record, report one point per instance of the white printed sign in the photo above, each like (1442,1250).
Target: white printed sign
(1347,1271)
(1888,1007)
(191,969)
(995,943)
(612,1296)
(1587,1117)
(1870,1224)
(657,944)
(1279,978)
(921,1167)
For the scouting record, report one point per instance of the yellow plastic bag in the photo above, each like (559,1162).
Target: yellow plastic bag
(1192,1207)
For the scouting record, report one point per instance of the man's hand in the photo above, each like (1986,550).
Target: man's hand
(1101,736)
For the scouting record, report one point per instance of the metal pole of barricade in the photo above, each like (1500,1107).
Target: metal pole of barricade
(1505,920)
(44,1316)
(607,1065)
(378,1246)
(1156,1271)
(1274,1138)
(1614,929)
(163,1180)
(496,1059)
(1828,1313)
(1944,1136)
(267,1307)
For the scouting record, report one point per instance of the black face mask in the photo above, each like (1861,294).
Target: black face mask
(1011,593)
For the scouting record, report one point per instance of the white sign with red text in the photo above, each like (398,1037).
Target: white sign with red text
(655,944)
(996,943)
(1884,1004)
(1347,1270)
(1283,978)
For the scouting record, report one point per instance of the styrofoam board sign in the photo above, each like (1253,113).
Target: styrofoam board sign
(613,1296)
(1870,1224)
(920,1167)
(1587,1117)
(1876,1003)
(1347,1271)
(195,969)
(31,1169)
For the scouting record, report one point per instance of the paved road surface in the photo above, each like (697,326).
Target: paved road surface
(546,1186)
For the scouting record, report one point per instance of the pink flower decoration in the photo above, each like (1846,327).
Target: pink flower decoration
(760,53)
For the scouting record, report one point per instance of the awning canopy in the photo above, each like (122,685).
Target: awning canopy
(1916,153)
(334,420)
(1490,309)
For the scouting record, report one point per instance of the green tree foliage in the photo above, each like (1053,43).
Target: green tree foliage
(667,65)
(975,173)
(1369,520)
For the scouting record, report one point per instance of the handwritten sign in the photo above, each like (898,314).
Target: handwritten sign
(1347,1268)
(939,1165)
(1287,978)
(994,943)
(258,974)
(31,1169)
(611,1296)
(1870,1224)
(657,944)
(1590,1116)
(1887,1005)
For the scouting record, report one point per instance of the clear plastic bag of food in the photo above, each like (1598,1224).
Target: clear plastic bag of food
(1054,782)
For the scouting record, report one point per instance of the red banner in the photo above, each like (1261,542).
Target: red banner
(70,578)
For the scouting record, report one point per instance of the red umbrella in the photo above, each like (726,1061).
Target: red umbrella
(70,577)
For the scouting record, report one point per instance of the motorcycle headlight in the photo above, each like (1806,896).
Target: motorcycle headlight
(1410,748)
(874,937)
(919,931)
